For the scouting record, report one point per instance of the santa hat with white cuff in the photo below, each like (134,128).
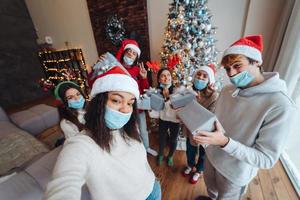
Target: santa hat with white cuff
(128,44)
(115,79)
(250,46)
(210,70)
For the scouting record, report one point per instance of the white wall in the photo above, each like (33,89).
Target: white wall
(262,18)
(234,19)
(64,20)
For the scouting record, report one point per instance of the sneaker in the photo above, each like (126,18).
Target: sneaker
(187,171)
(194,179)
(170,162)
(151,151)
(160,160)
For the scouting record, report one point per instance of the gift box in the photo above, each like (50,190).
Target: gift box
(197,118)
(104,65)
(157,101)
(181,99)
(144,103)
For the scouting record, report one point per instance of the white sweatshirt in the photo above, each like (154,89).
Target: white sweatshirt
(124,173)
(71,129)
(258,121)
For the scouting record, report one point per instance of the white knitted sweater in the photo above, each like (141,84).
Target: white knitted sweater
(124,173)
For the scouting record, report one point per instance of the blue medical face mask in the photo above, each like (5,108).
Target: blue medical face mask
(127,60)
(200,84)
(76,104)
(242,79)
(115,119)
(163,85)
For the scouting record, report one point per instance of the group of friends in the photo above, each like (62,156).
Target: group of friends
(107,140)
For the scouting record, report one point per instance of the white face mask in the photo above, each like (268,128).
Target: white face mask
(127,60)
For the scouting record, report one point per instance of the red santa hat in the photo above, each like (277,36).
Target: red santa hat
(115,79)
(250,46)
(128,44)
(210,70)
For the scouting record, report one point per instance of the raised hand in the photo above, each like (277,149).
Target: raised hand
(143,71)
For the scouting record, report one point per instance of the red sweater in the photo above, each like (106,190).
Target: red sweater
(134,71)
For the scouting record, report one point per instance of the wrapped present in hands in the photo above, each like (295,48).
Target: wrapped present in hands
(157,101)
(183,98)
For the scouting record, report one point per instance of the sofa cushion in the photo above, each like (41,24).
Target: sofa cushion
(17,149)
(49,114)
(7,127)
(20,186)
(36,119)
(41,169)
(3,115)
(28,121)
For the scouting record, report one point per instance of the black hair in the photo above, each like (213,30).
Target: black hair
(95,122)
(65,112)
(159,73)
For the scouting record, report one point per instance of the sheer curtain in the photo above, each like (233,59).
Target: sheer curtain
(284,57)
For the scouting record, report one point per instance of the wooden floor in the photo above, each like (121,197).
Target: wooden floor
(271,184)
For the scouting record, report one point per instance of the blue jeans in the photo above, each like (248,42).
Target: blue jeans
(156,192)
(143,128)
(191,153)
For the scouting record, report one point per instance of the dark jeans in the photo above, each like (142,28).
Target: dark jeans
(191,152)
(163,127)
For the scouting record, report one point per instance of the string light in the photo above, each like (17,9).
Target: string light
(62,68)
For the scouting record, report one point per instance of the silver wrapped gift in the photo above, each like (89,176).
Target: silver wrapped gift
(181,99)
(197,118)
(107,63)
(157,101)
(144,102)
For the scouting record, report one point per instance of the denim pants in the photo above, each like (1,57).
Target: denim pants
(156,192)
(191,153)
(143,129)
(164,137)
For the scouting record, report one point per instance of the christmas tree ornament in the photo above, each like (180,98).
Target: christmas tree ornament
(190,35)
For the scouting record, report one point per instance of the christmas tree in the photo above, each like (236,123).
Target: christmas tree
(189,39)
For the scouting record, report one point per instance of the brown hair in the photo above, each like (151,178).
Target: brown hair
(66,112)
(231,58)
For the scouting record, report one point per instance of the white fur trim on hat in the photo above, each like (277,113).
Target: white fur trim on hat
(209,71)
(115,82)
(134,47)
(248,51)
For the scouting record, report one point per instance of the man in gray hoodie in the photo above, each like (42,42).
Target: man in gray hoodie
(255,118)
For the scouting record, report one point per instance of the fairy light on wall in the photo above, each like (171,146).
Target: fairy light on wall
(63,65)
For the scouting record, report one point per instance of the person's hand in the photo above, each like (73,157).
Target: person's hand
(211,87)
(166,92)
(199,96)
(143,71)
(101,58)
(213,138)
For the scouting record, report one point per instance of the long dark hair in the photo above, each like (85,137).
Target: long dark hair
(95,123)
(65,112)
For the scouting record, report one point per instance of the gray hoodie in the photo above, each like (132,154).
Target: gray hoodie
(258,121)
